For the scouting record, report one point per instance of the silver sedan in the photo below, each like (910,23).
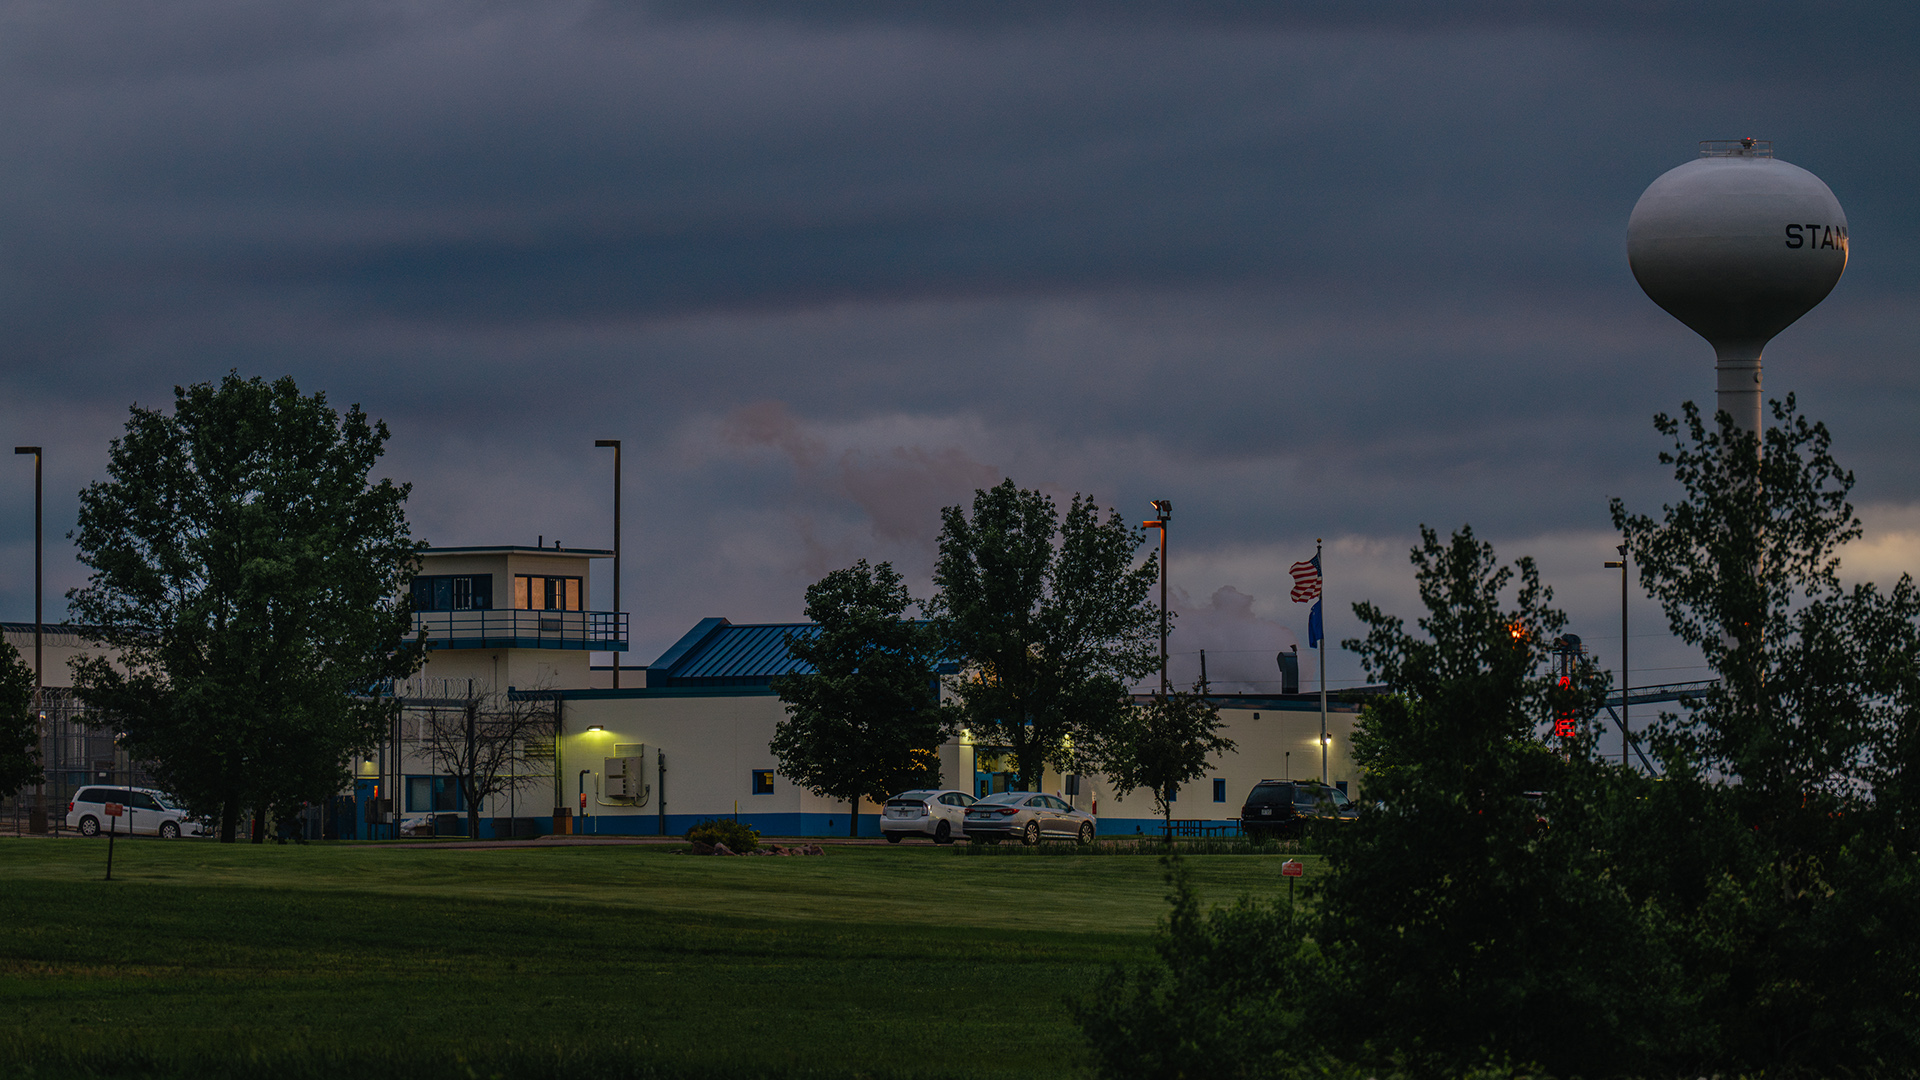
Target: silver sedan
(1028,816)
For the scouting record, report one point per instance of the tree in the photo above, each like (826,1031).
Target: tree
(1466,922)
(1802,757)
(1162,745)
(1446,925)
(483,744)
(1757,907)
(1471,689)
(251,580)
(865,720)
(1217,1003)
(1050,617)
(19,728)
(1816,679)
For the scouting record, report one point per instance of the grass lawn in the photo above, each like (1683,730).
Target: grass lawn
(206,960)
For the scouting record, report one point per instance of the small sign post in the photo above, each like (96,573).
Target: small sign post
(113,811)
(1292,870)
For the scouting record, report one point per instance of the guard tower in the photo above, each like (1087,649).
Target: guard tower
(512,616)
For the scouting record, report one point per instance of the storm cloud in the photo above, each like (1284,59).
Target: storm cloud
(827,267)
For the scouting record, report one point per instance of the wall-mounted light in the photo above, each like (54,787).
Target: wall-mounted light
(596,727)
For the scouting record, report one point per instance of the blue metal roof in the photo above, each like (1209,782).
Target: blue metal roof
(718,653)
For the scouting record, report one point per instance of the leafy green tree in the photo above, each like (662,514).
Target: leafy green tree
(1226,1000)
(1450,910)
(1448,925)
(250,578)
(1799,922)
(1162,745)
(1756,908)
(866,720)
(19,728)
(1815,679)
(1471,690)
(1051,618)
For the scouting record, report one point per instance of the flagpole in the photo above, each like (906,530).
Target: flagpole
(1323,657)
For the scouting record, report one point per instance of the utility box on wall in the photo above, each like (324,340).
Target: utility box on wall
(626,776)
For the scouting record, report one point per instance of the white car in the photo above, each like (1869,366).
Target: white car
(144,812)
(938,815)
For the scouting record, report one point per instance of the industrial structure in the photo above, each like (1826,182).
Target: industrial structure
(73,753)
(687,739)
(1737,244)
(683,739)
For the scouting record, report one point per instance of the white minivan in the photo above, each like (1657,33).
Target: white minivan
(145,812)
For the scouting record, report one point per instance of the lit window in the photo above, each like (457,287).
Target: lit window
(763,781)
(546,593)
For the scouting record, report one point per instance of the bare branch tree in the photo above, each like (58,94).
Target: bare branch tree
(482,742)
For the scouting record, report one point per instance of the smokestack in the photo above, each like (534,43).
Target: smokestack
(1289,671)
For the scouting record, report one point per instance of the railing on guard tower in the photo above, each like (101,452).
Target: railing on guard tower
(519,628)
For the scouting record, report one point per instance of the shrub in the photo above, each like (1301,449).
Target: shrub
(726,831)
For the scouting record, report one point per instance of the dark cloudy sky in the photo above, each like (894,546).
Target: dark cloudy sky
(826,267)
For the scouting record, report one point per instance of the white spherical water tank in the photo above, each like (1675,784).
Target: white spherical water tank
(1737,244)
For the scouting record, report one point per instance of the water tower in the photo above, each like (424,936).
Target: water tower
(1737,244)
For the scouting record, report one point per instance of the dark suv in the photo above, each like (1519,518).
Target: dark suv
(1284,807)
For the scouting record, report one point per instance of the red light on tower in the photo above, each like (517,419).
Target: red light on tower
(1564,725)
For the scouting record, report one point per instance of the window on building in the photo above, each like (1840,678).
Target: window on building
(453,592)
(763,781)
(434,794)
(537,593)
(1219,791)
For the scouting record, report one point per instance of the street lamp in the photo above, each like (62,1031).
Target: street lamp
(39,631)
(615,443)
(1626,731)
(1163,510)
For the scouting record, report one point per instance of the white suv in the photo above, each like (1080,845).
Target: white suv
(145,812)
(941,815)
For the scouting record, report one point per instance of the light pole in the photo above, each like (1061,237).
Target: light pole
(39,631)
(1164,509)
(615,443)
(1320,590)
(1626,730)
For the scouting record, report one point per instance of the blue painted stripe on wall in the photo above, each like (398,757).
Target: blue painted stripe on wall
(811,826)
(806,825)
(772,825)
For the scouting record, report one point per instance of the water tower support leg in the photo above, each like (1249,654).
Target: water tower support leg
(1739,396)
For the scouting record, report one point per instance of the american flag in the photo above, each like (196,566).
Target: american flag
(1306,581)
